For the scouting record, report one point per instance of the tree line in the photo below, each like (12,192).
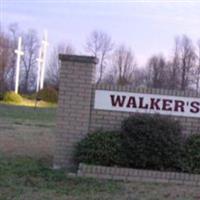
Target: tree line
(117,62)
(180,71)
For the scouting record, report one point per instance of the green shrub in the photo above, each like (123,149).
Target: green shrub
(100,148)
(12,97)
(48,94)
(152,142)
(191,155)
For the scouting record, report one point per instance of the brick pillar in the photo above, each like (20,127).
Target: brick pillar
(73,114)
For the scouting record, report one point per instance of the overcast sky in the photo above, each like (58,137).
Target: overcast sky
(148,27)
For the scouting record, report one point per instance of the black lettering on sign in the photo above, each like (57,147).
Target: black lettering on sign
(154,104)
(131,103)
(179,106)
(141,104)
(195,107)
(167,105)
(117,100)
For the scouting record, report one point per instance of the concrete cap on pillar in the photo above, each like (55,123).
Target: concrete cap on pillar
(78,58)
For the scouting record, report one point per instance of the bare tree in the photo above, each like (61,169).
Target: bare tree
(31,46)
(197,70)
(187,61)
(140,77)
(14,33)
(109,78)
(124,63)
(4,58)
(53,70)
(99,44)
(174,68)
(156,69)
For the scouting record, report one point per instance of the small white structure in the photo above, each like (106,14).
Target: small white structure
(40,61)
(19,53)
(44,52)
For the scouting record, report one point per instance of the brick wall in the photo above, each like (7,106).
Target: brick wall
(76,115)
(76,78)
(127,174)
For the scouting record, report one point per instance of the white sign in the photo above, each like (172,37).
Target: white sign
(147,103)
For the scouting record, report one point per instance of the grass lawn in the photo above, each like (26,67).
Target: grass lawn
(25,178)
(26,149)
(27,131)
(31,114)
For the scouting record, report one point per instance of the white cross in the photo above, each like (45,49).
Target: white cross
(45,44)
(19,53)
(40,61)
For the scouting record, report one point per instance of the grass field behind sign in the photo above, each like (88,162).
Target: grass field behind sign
(12,112)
